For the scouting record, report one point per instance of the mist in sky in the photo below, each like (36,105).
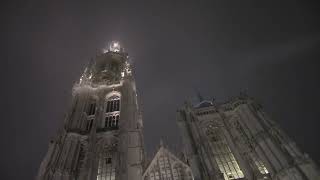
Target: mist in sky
(268,48)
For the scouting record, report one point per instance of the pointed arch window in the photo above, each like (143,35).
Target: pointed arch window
(81,157)
(177,172)
(112,121)
(259,164)
(89,124)
(91,107)
(223,156)
(106,167)
(112,113)
(90,111)
(113,104)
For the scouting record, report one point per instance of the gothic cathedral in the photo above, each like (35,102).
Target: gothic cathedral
(102,136)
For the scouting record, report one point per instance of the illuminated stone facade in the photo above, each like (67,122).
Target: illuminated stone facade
(102,134)
(237,140)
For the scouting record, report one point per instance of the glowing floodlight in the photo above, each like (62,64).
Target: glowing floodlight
(114,46)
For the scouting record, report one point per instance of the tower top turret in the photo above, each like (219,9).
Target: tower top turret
(109,67)
(114,46)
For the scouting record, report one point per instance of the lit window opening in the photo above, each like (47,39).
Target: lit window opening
(112,121)
(106,167)
(112,111)
(223,156)
(113,104)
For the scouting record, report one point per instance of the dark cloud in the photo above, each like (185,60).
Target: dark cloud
(270,48)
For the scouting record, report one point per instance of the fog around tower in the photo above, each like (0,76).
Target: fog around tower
(270,49)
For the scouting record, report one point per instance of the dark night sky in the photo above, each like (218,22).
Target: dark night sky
(219,47)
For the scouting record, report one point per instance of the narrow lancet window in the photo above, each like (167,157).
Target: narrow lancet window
(223,156)
(112,113)
(112,121)
(106,168)
(177,172)
(91,110)
(89,124)
(113,104)
(81,157)
(259,164)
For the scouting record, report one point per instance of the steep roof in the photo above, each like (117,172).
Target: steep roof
(163,151)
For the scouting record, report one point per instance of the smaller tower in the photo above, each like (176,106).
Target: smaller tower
(236,140)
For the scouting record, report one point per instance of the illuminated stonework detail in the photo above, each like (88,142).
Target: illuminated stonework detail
(262,168)
(223,156)
(166,166)
(114,46)
(112,112)
(113,104)
(106,167)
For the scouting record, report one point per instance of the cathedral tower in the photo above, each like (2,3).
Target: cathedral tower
(237,140)
(102,134)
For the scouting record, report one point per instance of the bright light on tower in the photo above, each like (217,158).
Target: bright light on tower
(114,46)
